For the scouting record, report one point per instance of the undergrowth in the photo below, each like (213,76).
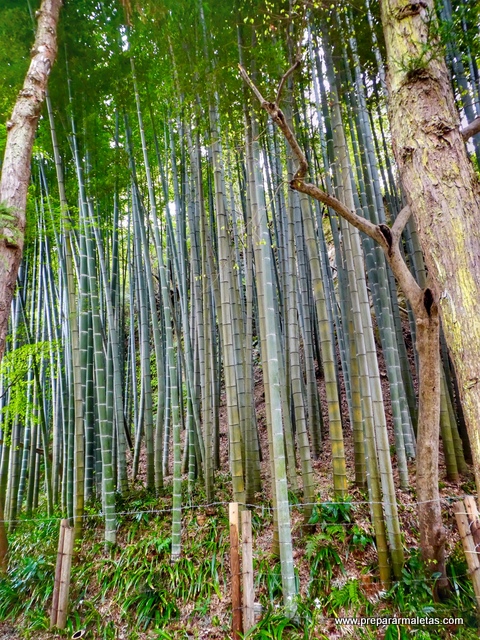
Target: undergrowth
(134,586)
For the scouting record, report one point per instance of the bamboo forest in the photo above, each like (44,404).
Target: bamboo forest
(239,319)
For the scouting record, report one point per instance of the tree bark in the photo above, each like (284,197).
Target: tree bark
(432,532)
(441,188)
(15,177)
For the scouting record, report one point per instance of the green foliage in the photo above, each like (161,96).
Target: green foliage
(261,519)
(460,28)
(32,222)
(360,538)
(268,577)
(415,66)
(165,635)
(413,594)
(15,367)
(395,632)
(151,606)
(324,560)
(274,625)
(324,550)
(181,64)
(147,593)
(140,577)
(10,601)
(16,37)
(462,601)
(348,597)
(28,586)
(6,212)
(332,512)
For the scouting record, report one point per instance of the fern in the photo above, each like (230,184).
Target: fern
(348,597)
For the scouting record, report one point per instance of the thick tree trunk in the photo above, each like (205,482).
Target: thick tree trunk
(441,188)
(432,532)
(18,152)
(16,171)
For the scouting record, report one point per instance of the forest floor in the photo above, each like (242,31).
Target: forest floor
(344,552)
(7,632)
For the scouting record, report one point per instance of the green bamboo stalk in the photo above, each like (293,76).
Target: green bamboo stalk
(269,336)
(363,329)
(228,347)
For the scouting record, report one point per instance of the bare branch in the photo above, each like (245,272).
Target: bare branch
(362,224)
(387,238)
(284,79)
(247,79)
(400,222)
(471,129)
(298,183)
(277,116)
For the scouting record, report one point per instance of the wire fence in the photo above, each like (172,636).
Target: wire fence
(380,591)
(447,500)
(258,507)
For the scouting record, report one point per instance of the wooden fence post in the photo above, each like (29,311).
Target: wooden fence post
(58,570)
(473,518)
(66,539)
(247,569)
(467,518)
(235,571)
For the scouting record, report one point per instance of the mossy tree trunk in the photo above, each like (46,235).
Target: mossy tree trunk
(441,188)
(15,177)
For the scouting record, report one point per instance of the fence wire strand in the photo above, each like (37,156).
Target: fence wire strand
(258,507)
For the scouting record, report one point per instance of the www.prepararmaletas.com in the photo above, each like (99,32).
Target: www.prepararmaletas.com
(381,621)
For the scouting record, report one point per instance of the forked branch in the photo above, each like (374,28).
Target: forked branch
(285,78)
(298,183)
(387,238)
